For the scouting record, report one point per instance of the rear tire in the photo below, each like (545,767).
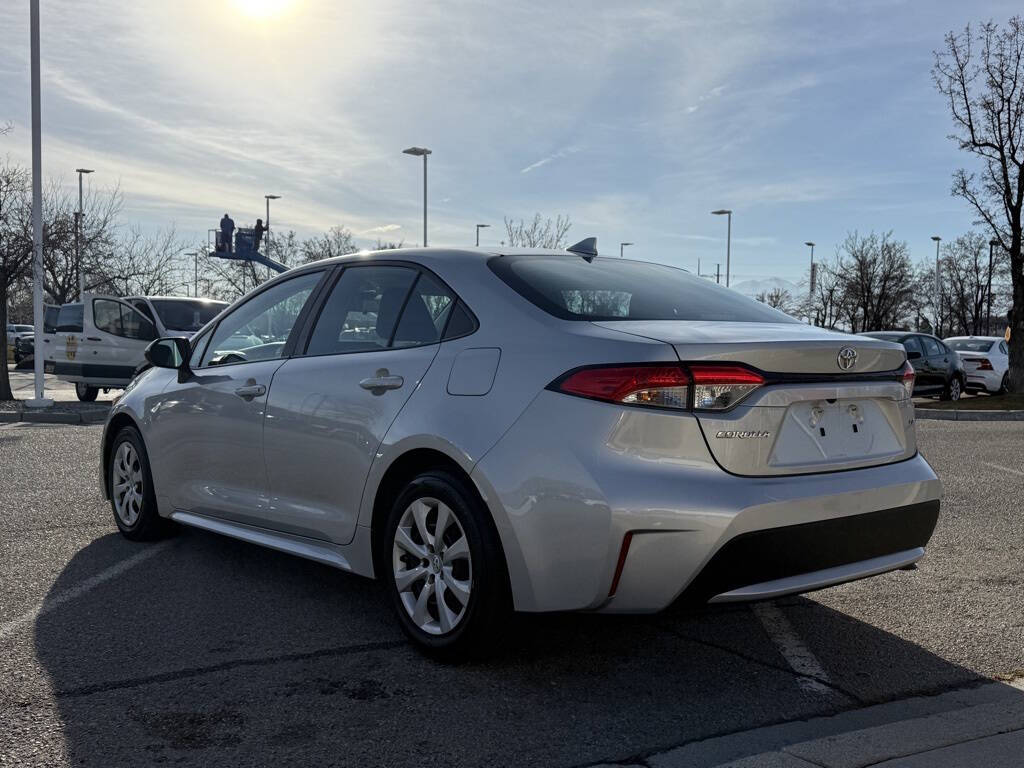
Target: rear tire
(86,393)
(1004,385)
(449,587)
(953,389)
(132,498)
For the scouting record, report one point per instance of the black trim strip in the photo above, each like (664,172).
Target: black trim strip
(791,550)
(95,370)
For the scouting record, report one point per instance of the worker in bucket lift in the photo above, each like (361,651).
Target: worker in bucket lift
(227,230)
(257,234)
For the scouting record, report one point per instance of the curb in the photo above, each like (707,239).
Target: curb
(941,414)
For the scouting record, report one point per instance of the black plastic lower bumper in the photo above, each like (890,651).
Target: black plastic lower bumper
(776,553)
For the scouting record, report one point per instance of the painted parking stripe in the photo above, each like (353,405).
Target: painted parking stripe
(1004,469)
(811,676)
(10,627)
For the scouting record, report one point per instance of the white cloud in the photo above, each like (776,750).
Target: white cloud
(554,156)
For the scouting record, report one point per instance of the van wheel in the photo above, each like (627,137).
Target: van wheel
(132,498)
(86,393)
(445,568)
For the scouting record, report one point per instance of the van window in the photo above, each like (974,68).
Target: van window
(69,319)
(118,319)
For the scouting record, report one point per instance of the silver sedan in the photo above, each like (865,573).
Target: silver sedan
(536,431)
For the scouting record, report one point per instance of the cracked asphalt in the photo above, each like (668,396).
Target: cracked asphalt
(208,651)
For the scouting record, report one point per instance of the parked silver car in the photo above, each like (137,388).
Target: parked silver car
(541,431)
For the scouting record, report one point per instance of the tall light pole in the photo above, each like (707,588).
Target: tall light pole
(195,283)
(988,303)
(421,152)
(938,290)
(622,247)
(478,228)
(78,229)
(267,226)
(728,241)
(39,401)
(810,284)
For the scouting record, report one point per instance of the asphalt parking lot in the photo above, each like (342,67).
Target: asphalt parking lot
(201,650)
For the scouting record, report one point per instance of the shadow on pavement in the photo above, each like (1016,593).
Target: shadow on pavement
(214,652)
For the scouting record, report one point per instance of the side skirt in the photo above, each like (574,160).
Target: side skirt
(354,557)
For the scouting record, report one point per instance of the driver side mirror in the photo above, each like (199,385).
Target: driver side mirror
(171,352)
(913,355)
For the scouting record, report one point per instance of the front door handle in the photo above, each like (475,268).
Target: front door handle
(249,391)
(382,381)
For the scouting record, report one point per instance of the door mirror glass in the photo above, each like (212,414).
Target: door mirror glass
(168,353)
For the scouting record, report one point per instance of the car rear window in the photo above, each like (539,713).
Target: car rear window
(971,345)
(574,288)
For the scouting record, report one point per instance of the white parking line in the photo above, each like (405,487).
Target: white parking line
(1004,469)
(10,627)
(811,676)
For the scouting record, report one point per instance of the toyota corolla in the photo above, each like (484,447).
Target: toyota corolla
(529,431)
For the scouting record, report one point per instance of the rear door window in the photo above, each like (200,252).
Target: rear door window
(932,347)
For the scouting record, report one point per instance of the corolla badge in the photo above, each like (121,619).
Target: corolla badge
(731,434)
(847,358)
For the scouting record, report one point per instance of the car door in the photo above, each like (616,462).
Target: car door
(938,361)
(206,432)
(114,340)
(330,407)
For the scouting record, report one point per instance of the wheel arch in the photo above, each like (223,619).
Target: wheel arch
(403,469)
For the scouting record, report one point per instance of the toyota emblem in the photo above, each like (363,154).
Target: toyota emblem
(847,358)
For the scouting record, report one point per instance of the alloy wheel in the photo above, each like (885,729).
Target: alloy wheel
(127,485)
(433,570)
(954,389)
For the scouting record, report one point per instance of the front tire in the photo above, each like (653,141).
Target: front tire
(132,498)
(86,393)
(445,568)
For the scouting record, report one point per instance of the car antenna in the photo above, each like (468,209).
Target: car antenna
(587,248)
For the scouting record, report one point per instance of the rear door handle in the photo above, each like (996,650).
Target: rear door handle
(383,380)
(250,391)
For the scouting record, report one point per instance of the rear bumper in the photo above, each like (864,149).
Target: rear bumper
(987,380)
(798,558)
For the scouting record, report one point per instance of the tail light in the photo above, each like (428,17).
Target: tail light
(908,378)
(665,386)
(720,387)
(984,364)
(713,387)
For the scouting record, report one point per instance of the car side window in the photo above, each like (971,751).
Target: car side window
(259,328)
(932,347)
(425,314)
(119,319)
(912,345)
(362,312)
(1003,348)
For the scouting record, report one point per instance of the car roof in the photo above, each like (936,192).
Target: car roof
(969,338)
(179,298)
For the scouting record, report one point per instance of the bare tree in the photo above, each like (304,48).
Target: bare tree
(337,241)
(388,245)
(981,74)
(777,298)
(539,233)
(15,249)
(143,264)
(876,278)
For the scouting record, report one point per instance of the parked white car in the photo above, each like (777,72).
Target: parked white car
(986,361)
(100,343)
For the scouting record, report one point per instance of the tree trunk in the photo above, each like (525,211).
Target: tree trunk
(5,379)
(1017,315)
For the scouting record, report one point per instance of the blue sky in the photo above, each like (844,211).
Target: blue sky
(808,119)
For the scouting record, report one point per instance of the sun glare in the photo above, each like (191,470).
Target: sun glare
(263,9)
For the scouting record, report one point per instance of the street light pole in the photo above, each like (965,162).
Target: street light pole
(988,303)
(267,227)
(728,242)
(622,247)
(78,228)
(478,228)
(421,152)
(195,279)
(938,289)
(39,401)
(810,284)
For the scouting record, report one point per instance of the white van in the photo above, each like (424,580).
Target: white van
(99,343)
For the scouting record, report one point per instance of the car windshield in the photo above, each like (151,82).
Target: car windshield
(971,345)
(574,288)
(186,314)
(23,329)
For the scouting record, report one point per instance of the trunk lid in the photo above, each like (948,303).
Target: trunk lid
(816,412)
